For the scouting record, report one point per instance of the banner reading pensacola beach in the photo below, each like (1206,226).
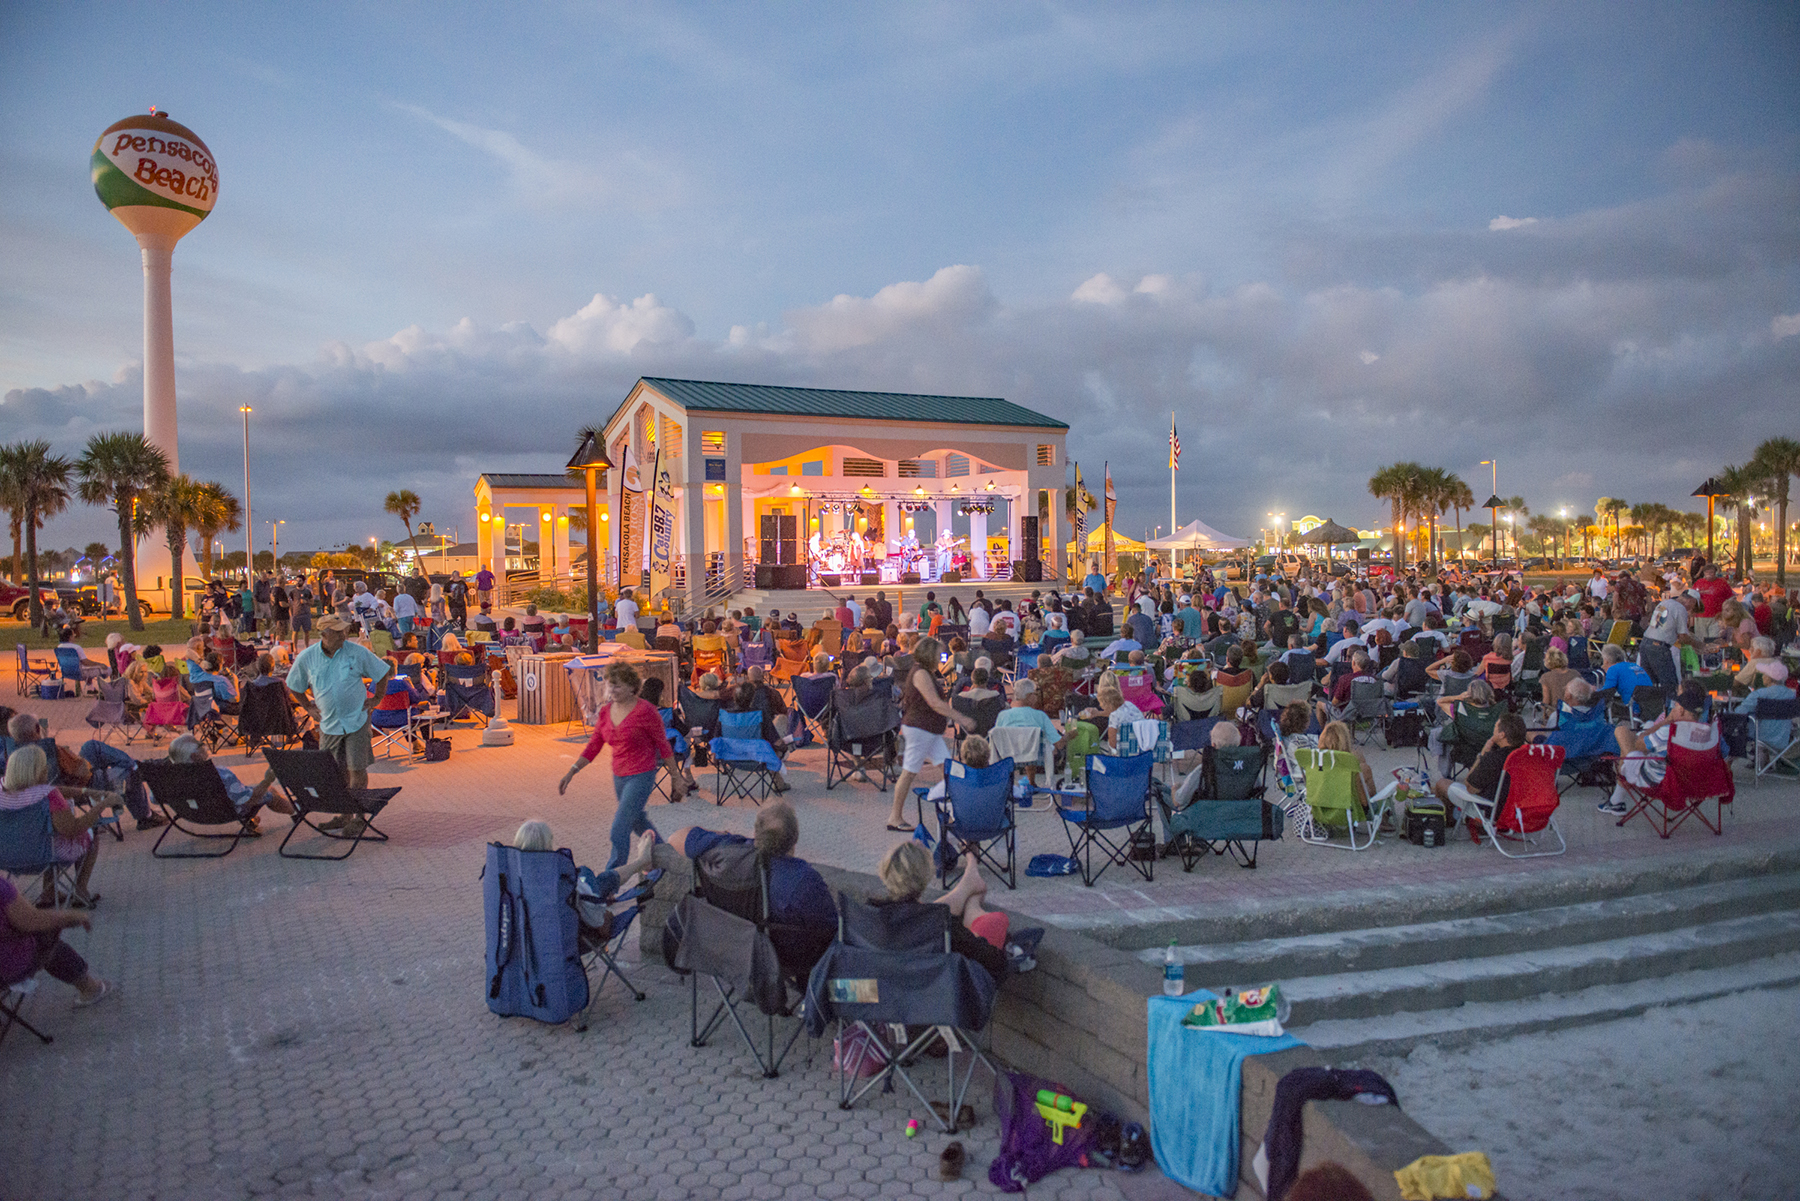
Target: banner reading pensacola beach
(153,162)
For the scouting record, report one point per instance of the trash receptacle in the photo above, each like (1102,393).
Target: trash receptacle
(544,695)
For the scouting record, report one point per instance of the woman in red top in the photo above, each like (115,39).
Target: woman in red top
(634,730)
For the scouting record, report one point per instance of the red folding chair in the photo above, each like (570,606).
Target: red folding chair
(1697,773)
(1524,804)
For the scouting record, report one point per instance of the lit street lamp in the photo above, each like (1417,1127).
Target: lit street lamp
(275,542)
(249,523)
(590,459)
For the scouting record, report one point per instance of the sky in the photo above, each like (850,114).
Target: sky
(1564,236)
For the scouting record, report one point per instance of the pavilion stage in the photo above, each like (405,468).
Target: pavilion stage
(810,603)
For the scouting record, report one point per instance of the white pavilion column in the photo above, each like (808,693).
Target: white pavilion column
(559,540)
(1059,560)
(734,511)
(693,520)
(1014,547)
(978,543)
(497,544)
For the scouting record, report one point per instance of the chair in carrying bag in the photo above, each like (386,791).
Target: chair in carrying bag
(314,782)
(725,934)
(861,735)
(892,966)
(1524,803)
(533,963)
(1223,808)
(193,793)
(1696,773)
(1118,804)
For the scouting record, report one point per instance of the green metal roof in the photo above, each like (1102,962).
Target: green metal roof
(830,402)
(497,479)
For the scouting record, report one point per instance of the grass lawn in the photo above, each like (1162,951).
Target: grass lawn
(93,633)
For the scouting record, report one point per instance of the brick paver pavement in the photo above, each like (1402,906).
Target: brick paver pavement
(298,1028)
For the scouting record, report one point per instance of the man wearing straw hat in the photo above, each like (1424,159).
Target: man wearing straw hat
(334,669)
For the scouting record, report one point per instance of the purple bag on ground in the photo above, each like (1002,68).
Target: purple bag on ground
(1028,1150)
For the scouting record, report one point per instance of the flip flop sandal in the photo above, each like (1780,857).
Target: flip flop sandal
(107,988)
(901,829)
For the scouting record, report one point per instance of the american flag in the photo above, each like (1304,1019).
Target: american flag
(1174,447)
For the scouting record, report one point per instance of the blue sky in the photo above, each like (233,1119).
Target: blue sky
(447,235)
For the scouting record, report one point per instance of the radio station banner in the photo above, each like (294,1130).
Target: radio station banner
(662,522)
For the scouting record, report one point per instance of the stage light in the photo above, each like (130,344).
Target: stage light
(795,490)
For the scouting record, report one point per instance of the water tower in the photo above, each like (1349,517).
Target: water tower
(160,181)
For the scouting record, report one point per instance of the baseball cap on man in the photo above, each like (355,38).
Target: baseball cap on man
(336,623)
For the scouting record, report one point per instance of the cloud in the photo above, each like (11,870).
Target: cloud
(1504,222)
(1618,324)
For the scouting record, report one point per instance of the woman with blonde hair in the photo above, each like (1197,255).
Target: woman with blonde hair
(1336,737)
(977,933)
(27,782)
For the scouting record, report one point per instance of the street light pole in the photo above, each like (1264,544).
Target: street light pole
(249,522)
(275,542)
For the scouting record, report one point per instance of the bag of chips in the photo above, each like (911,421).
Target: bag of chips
(1241,1011)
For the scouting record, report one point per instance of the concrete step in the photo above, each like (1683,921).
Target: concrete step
(1349,1041)
(1475,937)
(1534,972)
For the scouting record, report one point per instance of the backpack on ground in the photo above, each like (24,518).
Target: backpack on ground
(533,964)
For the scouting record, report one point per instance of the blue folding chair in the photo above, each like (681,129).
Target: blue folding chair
(28,850)
(73,667)
(467,694)
(812,700)
(976,814)
(743,760)
(29,674)
(1118,803)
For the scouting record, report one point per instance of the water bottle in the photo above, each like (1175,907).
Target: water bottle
(1172,972)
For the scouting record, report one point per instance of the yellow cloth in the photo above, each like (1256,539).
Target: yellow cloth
(1433,1176)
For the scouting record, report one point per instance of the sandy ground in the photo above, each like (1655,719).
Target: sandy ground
(1697,1102)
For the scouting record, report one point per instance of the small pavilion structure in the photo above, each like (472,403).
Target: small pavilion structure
(871,480)
(548,497)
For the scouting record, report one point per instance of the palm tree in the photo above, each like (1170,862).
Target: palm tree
(1458,496)
(176,505)
(43,492)
(1613,507)
(1433,485)
(1775,460)
(219,511)
(1399,485)
(14,502)
(115,470)
(404,504)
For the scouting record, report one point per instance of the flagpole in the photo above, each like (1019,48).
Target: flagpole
(1172,525)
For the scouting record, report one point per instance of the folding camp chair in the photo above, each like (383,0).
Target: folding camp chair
(892,967)
(1366,710)
(605,924)
(726,935)
(1695,773)
(976,814)
(1222,807)
(266,717)
(982,713)
(1466,733)
(744,762)
(12,1000)
(1118,800)
(862,734)
(1766,756)
(28,851)
(192,793)
(467,694)
(1524,801)
(1332,779)
(790,660)
(314,782)
(1618,635)
(1026,746)
(28,674)
(74,668)
(1585,736)
(110,712)
(1648,702)
(206,722)
(755,653)
(812,698)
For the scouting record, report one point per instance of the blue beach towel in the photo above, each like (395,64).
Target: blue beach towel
(1195,1083)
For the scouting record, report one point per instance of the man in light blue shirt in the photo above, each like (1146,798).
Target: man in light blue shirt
(1026,715)
(333,670)
(225,696)
(405,609)
(1096,581)
(1190,619)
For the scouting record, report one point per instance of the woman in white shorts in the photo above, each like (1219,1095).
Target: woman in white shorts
(924,716)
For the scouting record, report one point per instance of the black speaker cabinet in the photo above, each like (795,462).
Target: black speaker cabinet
(911,577)
(779,538)
(1029,571)
(951,577)
(831,581)
(1028,540)
(871,578)
(765,574)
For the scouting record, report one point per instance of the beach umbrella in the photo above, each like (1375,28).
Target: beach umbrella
(1328,535)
